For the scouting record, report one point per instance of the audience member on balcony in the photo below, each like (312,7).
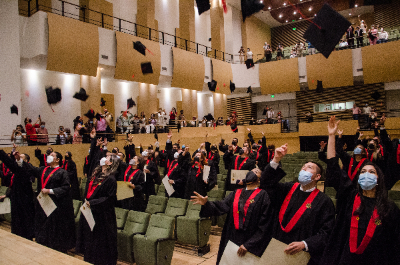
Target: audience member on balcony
(193,122)
(293,53)
(374,115)
(299,49)
(18,136)
(77,139)
(356,112)
(162,118)
(279,51)
(279,117)
(309,117)
(136,124)
(359,36)
(172,116)
(182,119)
(61,136)
(241,54)
(270,116)
(383,36)
(31,131)
(203,122)
(343,45)
(350,37)
(69,136)
(363,26)
(42,134)
(367,114)
(311,48)
(372,35)
(249,56)
(267,52)
(101,125)
(221,121)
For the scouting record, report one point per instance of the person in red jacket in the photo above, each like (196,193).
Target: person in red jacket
(31,130)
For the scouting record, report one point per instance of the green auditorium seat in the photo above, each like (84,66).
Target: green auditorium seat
(221,219)
(221,185)
(156,204)
(193,230)
(157,245)
(136,223)
(82,187)
(156,188)
(161,190)
(77,213)
(394,195)
(34,185)
(121,215)
(215,195)
(176,207)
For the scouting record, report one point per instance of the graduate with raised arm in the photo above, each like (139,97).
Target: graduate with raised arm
(100,245)
(176,177)
(367,228)
(304,216)
(152,175)
(43,157)
(21,194)
(249,218)
(56,231)
(213,156)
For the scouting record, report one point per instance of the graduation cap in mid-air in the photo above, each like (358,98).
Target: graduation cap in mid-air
(81,95)
(209,117)
(130,103)
(137,45)
(249,90)
(102,102)
(203,6)
(14,109)
(320,87)
(232,86)
(89,114)
(155,135)
(249,64)
(212,85)
(326,30)
(53,95)
(376,95)
(250,7)
(146,68)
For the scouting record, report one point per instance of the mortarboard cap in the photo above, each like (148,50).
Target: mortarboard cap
(89,114)
(98,116)
(212,85)
(249,90)
(203,6)
(232,87)
(249,64)
(53,95)
(137,45)
(332,27)
(102,102)
(320,87)
(155,135)
(130,103)
(81,95)
(14,109)
(376,95)
(249,7)
(146,68)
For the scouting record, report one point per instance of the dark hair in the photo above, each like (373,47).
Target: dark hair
(363,152)
(27,157)
(98,175)
(22,128)
(320,169)
(60,157)
(177,145)
(382,202)
(69,154)
(236,139)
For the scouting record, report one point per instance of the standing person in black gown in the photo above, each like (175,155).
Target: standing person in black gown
(21,195)
(367,229)
(304,216)
(56,231)
(134,177)
(248,223)
(70,166)
(152,176)
(43,157)
(100,245)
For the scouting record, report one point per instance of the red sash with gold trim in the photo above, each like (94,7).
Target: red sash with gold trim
(241,165)
(352,175)
(245,208)
(51,174)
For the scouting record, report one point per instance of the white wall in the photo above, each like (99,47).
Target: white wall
(168,97)
(236,31)
(167,15)
(34,100)
(34,35)
(10,92)
(243,77)
(107,46)
(127,10)
(205,104)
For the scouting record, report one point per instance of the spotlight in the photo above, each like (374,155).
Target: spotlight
(284,4)
(349,14)
(356,5)
(294,13)
(269,8)
(286,21)
(280,15)
(310,8)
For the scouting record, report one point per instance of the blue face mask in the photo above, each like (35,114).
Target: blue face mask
(305,177)
(367,181)
(357,151)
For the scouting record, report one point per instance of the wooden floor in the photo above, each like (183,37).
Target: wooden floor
(17,250)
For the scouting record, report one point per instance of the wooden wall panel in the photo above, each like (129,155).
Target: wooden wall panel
(189,70)
(147,100)
(222,73)
(243,108)
(187,25)
(279,77)
(97,7)
(73,46)
(110,106)
(336,71)
(189,103)
(388,15)
(321,128)
(146,19)
(256,34)
(217,30)
(92,85)
(129,60)
(220,105)
(381,62)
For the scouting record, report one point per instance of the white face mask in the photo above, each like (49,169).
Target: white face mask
(176,155)
(103,161)
(132,162)
(118,157)
(50,159)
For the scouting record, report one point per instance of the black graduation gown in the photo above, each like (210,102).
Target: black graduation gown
(86,166)
(130,152)
(213,158)
(70,166)
(316,223)
(384,245)
(100,245)
(254,233)
(180,182)
(346,158)
(197,184)
(41,157)
(137,202)
(391,167)
(21,197)
(152,178)
(57,231)
(230,159)
(6,175)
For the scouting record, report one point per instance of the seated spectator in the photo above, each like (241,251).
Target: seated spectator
(18,136)
(31,131)
(61,137)
(69,136)
(193,122)
(382,36)
(311,48)
(343,45)
(43,135)
(299,49)
(293,53)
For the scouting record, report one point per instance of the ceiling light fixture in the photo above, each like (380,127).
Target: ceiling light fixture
(286,21)
(294,13)
(310,8)
(280,15)
(269,8)
(349,14)
(284,4)
(356,5)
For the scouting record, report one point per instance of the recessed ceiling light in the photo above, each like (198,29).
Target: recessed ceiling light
(301,0)
(310,8)
(300,17)
(294,13)
(284,4)
(349,14)
(280,15)
(269,8)
(315,15)
(261,1)
(286,21)
(356,5)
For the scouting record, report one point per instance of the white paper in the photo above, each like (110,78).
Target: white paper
(274,254)
(230,256)
(5,206)
(238,175)
(206,172)
(47,203)
(145,167)
(168,187)
(123,191)
(87,212)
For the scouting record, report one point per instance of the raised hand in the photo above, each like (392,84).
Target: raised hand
(262,133)
(249,130)
(322,144)
(230,148)
(332,125)
(93,133)
(340,132)
(280,152)
(99,142)
(198,199)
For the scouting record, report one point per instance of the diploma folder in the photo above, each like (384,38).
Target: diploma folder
(238,175)
(47,203)
(206,172)
(5,206)
(274,254)
(168,187)
(123,190)
(230,256)
(87,212)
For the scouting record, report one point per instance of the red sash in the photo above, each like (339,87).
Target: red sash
(45,160)
(381,147)
(65,164)
(269,154)
(172,168)
(236,162)
(258,152)
(199,170)
(51,174)
(92,188)
(131,176)
(306,205)
(5,170)
(147,161)
(373,223)
(210,157)
(86,161)
(245,208)
(398,154)
(372,156)
(12,180)
(352,175)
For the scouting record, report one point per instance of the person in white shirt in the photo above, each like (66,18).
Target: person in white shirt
(367,114)
(249,60)
(343,45)
(382,36)
(293,53)
(299,49)
(270,115)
